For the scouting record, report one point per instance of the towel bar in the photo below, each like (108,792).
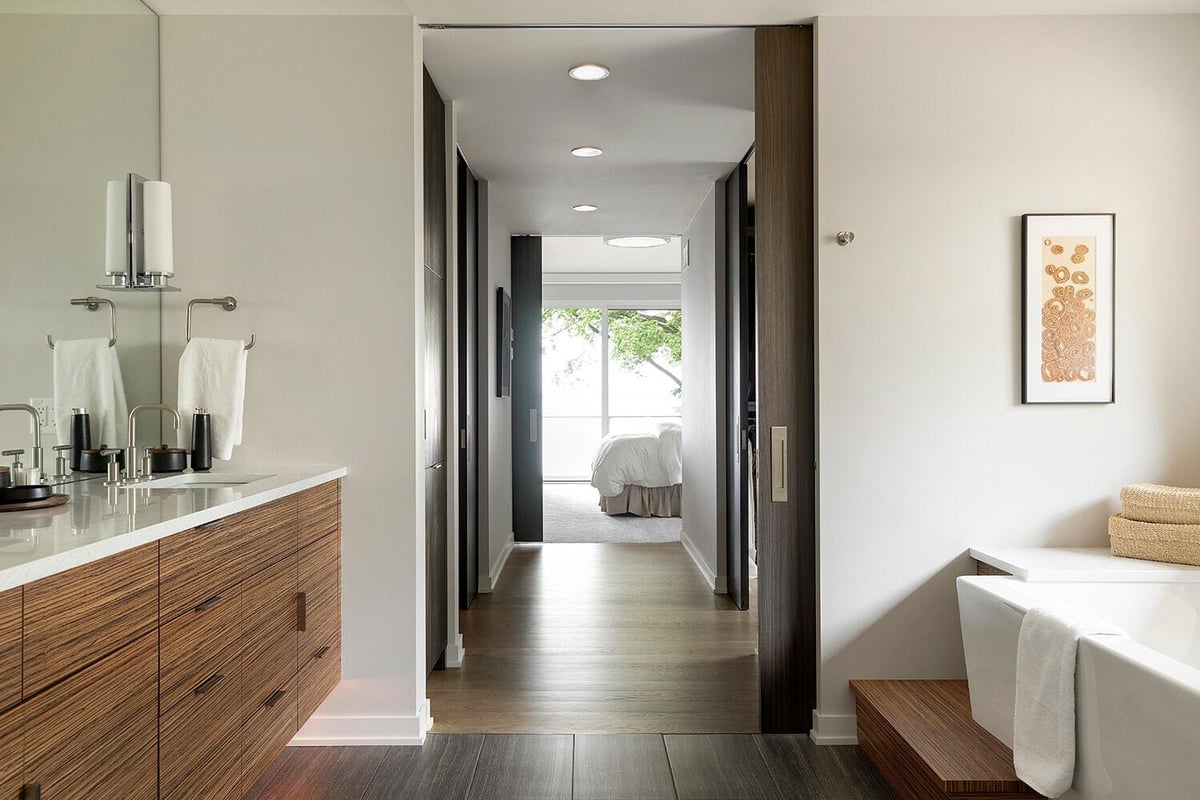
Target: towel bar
(228,303)
(93,304)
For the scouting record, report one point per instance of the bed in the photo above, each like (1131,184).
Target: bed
(641,473)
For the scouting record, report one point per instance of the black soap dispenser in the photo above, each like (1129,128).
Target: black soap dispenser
(81,435)
(201,440)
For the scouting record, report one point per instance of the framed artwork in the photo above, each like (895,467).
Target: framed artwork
(1068,302)
(504,346)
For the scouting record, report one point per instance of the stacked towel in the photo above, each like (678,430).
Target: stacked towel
(87,374)
(1044,722)
(1149,502)
(212,375)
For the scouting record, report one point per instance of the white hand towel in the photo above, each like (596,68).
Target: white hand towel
(1044,722)
(87,374)
(212,375)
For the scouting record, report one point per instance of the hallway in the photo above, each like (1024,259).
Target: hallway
(601,638)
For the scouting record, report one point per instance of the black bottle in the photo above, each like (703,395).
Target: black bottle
(81,435)
(201,441)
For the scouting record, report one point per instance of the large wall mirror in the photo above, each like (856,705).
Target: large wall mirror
(79,106)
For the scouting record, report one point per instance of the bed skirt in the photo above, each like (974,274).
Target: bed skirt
(646,501)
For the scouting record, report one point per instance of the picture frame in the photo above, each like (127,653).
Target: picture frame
(1068,308)
(504,343)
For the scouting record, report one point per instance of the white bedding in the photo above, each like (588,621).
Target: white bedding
(643,459)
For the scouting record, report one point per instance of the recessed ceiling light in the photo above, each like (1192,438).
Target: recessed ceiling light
(585,207)
(589,72)
(636,241)
(587,151)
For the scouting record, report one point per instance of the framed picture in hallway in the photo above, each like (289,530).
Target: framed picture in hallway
(1068,302)
(504,343)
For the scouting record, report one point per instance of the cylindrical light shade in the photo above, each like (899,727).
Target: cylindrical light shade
(160,250)
(116,230)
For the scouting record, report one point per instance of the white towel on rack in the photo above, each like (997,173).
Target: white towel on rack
(1044,719)
(212,375)
(87,374)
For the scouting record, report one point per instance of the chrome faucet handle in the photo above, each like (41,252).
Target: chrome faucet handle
(12,452)
(114,469)
(60,463)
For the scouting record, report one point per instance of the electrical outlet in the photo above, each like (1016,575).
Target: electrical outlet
(45,410)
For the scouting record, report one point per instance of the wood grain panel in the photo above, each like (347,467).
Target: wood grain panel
(983,568)
(436,559)
(320,590)
(529,767)
(526,404)
(435,369)
(194,644)
(785,256)
(198,564)
(714,767)
(268,730)
(269,654)
(622,767)
(199,740)
(319,512)
(435,176)
(79,616)
(95,734)
(921,736)
(318,677)
(10,648)
(12,752)
(269,533)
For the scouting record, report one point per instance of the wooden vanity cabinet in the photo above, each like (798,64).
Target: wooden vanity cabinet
(10,650)
(12,753)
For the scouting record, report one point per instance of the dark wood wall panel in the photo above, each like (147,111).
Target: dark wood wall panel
(10,648)
(737,355)
(436,614)
(527,388)
(786,374)
(435,186)
(469,382)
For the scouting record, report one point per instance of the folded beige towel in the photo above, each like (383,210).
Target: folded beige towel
(1150,502)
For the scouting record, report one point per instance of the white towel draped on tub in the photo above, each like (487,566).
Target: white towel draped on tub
(212,375)
(87,374)
(1044,719)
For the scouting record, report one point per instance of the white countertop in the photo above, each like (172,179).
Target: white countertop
(1081,564)
(99,521)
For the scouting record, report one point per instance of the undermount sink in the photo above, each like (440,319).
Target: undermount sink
(199,480)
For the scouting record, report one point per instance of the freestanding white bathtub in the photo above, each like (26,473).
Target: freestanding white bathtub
(1137,700)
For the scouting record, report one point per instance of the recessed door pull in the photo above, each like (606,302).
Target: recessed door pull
(208,684)
(779,465)
(321,653)
(208,604)
(275,697)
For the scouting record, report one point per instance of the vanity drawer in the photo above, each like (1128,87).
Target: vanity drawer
(199,742)
(320,511)
(197,565)
(319,592)
(194,644)
(10,649)
(12,748)
(269,654)
(79,616)
(319,675)
(268,533)
(267,731)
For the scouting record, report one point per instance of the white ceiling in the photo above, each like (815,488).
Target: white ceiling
(670,12)
(589,254)
(675,116)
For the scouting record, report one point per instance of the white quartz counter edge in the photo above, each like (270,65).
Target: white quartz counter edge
(283,483)
(1081,565)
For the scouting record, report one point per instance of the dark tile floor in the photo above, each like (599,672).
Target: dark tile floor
(577,767)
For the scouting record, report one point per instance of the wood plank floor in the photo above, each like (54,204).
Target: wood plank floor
(596,767)
(601,638)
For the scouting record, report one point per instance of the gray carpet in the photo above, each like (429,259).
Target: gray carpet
(572,514)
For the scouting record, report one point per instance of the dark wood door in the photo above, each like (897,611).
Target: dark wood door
(785,412)
(737,353)
(527,388)
(435,177)
(436,624)
(435,368)
(468,384)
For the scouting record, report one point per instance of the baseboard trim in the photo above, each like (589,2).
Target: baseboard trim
(834,729)
(709,576)
(487,583)
(455,653)
(363,731)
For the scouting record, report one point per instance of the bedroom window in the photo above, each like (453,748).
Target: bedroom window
(605,370)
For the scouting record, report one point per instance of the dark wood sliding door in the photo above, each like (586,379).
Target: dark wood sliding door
(527,388)
(738,321)
(468,384)
(784,255)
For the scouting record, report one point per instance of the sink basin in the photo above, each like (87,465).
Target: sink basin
(200,480)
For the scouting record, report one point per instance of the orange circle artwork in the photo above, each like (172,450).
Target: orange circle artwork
(1068,319)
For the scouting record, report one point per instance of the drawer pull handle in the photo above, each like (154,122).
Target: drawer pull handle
(208,604)
(208,525)
(321,653)
(302,611)
(208,684)
(275,697)
(31,791)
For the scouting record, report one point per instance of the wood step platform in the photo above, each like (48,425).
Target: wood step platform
(921,737)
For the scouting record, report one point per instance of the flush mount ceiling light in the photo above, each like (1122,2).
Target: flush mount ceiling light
(636,241)
(587,151)
(585,207)
(589,72)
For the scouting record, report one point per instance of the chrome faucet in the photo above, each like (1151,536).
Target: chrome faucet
(37,430)
(131,456)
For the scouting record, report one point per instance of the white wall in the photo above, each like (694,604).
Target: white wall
(574,289)
(495,427)
(703,306)
(294,148)
(934,136)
